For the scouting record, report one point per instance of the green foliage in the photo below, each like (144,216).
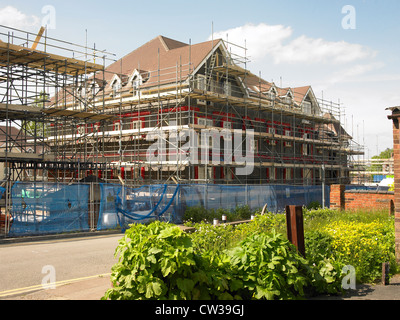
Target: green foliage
(148,256)
(158,262)
(363,245)
(314,205)
(250,261)
(34,128)
(268,267)
(199,214)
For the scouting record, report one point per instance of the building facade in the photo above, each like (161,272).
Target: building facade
(169,99)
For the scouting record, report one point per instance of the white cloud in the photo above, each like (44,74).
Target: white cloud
(355,73)
(12,17)
(276,42)
(260,39)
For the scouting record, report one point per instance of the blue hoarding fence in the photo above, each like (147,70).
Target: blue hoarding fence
(44,208)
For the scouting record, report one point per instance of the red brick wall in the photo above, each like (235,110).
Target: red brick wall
(396,147)
(354,200)
(337,197)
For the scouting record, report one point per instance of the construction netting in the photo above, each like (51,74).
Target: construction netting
(121,206)
(277,197)
(43,208)
(2,192)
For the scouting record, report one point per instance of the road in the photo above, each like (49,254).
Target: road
(25,265)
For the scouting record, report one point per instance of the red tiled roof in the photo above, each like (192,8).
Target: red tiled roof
(162,54)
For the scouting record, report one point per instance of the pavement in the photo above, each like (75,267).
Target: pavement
(95,287)
(77,290)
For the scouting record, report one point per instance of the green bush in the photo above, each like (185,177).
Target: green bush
(200,214)
(363,245)
(253,260)
(159,261)
(268,267)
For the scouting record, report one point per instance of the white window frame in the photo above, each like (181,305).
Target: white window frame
(82,130)
(288,133)
(272,175)
(307,107)
(96,127)
(201,82)
(201,121)
(289,175)
(137,124)
(117,126)
(271,130)
(253,146)
(227,125)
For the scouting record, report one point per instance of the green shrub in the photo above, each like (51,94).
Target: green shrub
(365,246)
(268,267)
(314,205)
(194,215)
(250,261)
(158,261)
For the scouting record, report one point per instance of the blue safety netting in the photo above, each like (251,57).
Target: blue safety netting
(277,197)
(122,206)
(2,191)
(44,208)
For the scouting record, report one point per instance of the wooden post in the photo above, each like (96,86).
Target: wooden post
(385,273)
(295,227)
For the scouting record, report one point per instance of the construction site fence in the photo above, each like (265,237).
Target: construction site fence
(53,208)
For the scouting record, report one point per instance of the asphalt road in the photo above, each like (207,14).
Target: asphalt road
(25,265)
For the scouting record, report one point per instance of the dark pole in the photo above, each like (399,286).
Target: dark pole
(295,228)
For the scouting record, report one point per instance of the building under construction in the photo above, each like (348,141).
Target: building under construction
(181,120)
(80,113)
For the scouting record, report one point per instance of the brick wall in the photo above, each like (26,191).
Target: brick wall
(396,147)
(337,197)
(354,199)
(369,200)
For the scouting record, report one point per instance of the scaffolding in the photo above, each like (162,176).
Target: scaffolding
(79,118)
(34,71)
(294,143)
(72,114)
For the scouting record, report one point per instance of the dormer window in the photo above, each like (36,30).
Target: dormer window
(288,99)
(307,107)
(272,94)
(138,78)
(136,82)
(116,86)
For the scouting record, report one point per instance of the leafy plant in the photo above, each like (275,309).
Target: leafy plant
(250,261)
(269,267)
(149,255)
(314,205)
(158,262)
(363,245)
(200,214)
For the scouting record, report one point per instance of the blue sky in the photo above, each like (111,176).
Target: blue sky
(301,42)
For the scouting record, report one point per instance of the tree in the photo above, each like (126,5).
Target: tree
(387,154)
(34,128)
